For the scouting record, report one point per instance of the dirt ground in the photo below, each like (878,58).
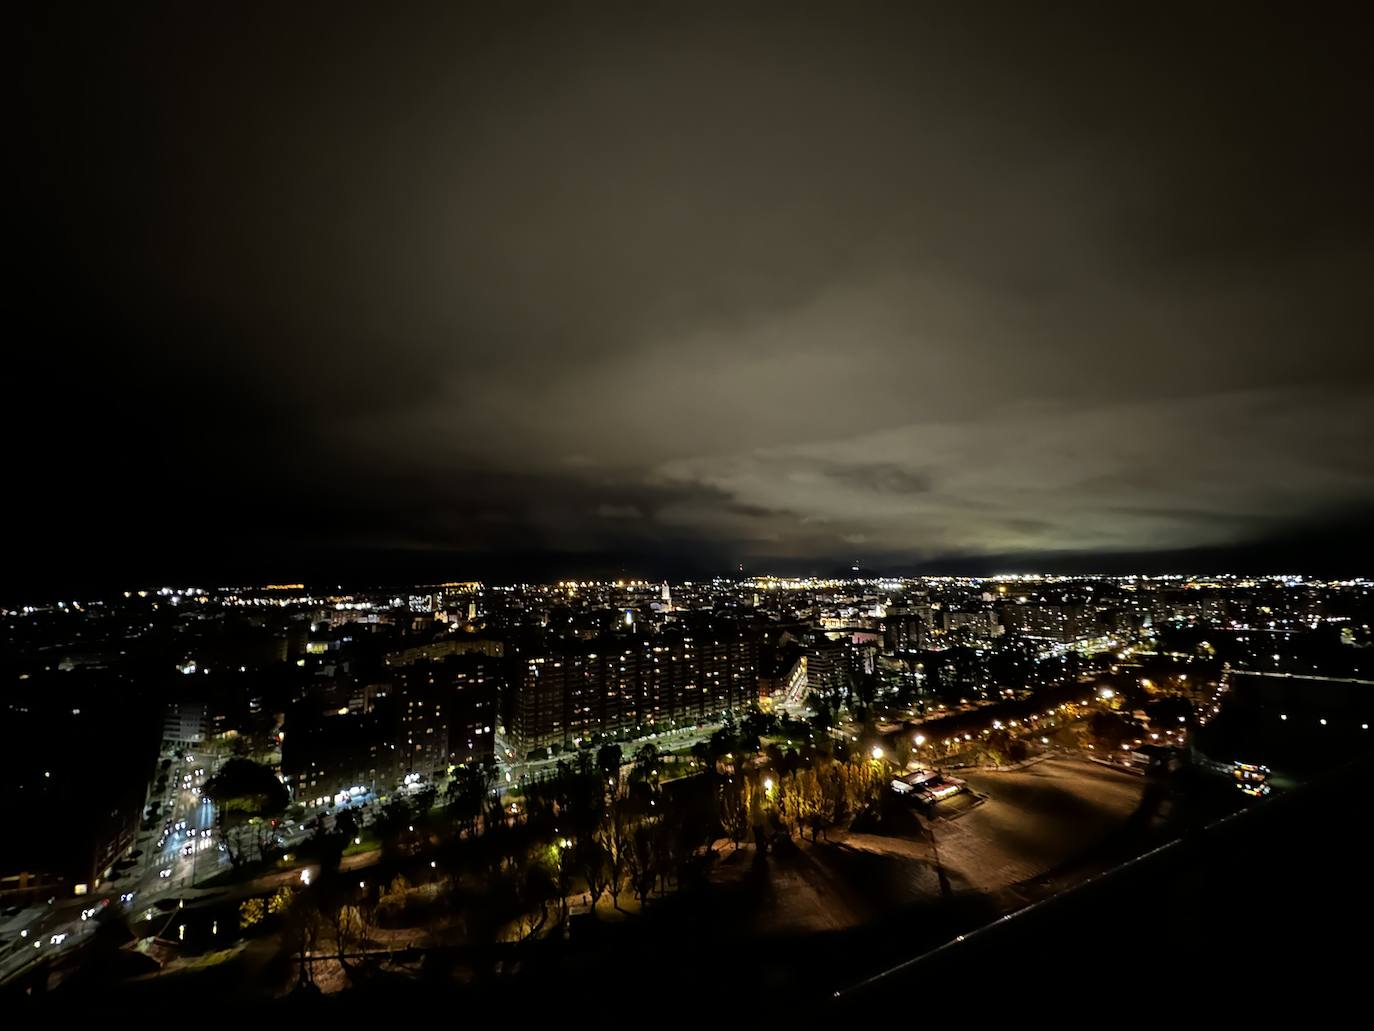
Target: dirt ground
(1055,819)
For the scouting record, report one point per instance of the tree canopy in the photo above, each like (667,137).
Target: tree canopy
(243,790)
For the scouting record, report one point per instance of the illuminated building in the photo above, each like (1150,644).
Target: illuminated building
(446,711)
(325,753)
(621,683)
(186,723)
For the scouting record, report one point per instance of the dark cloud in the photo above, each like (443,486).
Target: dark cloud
(704,285)
(881,478)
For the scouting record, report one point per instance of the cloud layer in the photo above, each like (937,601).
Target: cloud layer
(810,282)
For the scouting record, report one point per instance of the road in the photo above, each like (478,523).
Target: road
(182,847)
(182,850)
(179,850)
(676,740)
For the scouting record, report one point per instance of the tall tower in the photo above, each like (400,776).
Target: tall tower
(666,595)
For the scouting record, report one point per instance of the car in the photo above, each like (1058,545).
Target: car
(164,874)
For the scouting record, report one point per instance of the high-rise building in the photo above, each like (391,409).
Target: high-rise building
(446,711)
(326,753)
(186,723)
(622,683)
(1061,623)
(828,666)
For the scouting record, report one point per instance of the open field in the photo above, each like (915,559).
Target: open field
(1058,818)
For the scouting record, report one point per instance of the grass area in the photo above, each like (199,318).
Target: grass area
(366,841)
(246,872)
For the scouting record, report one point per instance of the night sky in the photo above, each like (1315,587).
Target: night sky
(305,291)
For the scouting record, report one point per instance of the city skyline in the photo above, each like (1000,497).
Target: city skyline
(786,510)
(670,292)
(909,768)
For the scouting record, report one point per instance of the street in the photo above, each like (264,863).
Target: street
(189,851)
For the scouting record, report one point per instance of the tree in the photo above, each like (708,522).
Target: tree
(327,847)
(423,802)
(1170,711)
(536,890)
(301,933)
(279,901)
(772,754)
(646,762)
(864,686)
(758,723)
(393,825)
(997,746)
(701,752)
(252,912)
(608,759)
(346,823)
(832,806)
(724,741)
(641,858)
(591,860)
(734,800)
(615,835)
(900,749)
(863,783)
(246,794)
(1111,729)
(337,899)
(563,860)
(467,791)
(822,722)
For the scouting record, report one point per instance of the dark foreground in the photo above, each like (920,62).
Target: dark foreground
(1240,914)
